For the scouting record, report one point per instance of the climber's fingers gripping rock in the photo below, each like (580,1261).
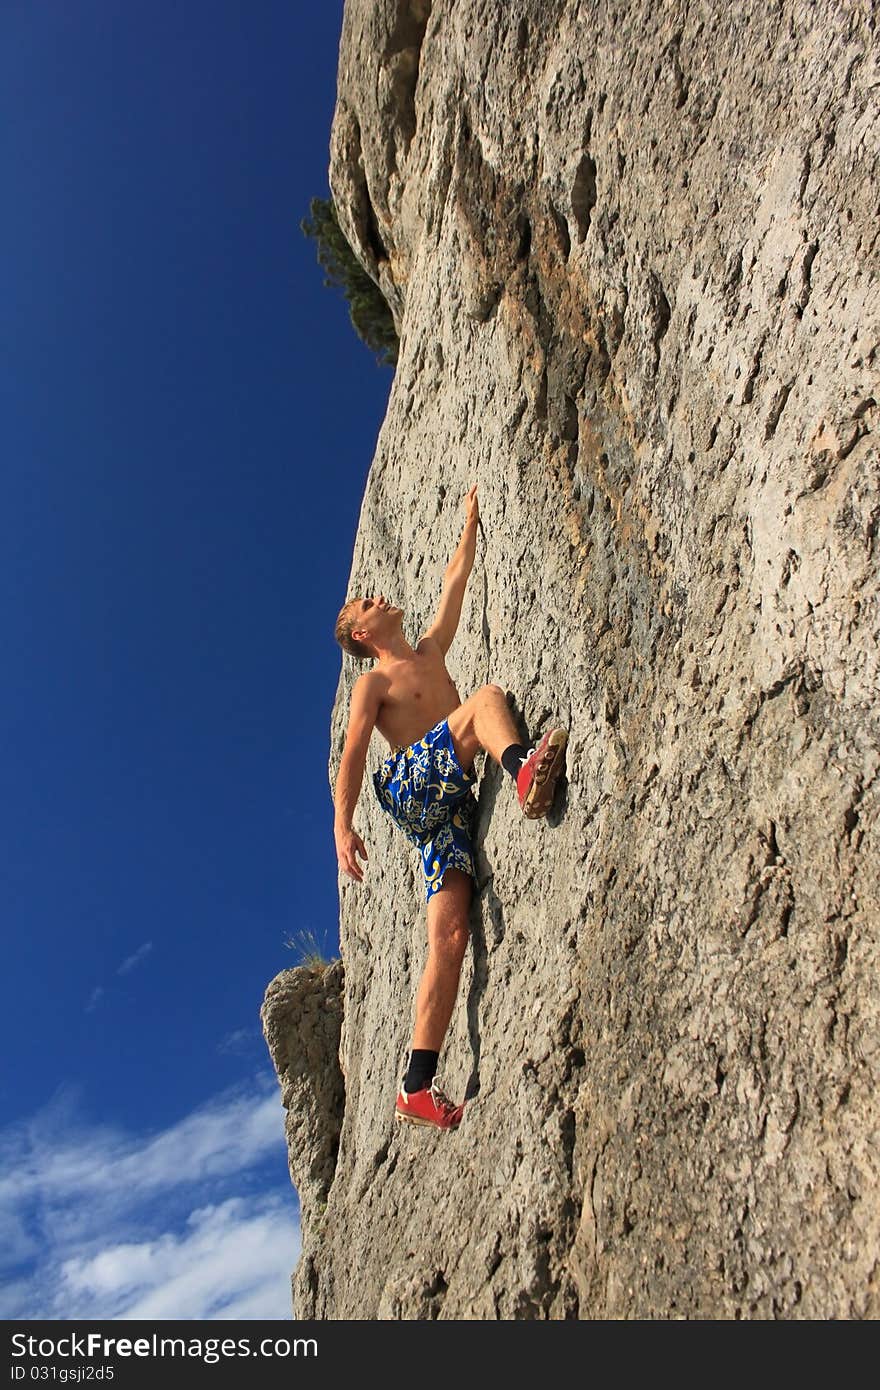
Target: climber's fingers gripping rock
(348,846)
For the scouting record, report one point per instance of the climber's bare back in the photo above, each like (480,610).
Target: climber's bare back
(415,693)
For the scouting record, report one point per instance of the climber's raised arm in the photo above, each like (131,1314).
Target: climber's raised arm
(445,623)
(365,701)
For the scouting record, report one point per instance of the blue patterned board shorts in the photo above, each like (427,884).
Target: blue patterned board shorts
(426,793)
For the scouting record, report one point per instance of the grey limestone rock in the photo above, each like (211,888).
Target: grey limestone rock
(632,252)
(302,1022)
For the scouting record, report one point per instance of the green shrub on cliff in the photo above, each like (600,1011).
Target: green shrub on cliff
(370,316)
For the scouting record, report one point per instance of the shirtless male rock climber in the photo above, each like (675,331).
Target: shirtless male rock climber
(425,785)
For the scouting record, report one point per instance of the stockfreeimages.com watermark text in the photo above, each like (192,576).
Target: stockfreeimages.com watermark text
(96,1346)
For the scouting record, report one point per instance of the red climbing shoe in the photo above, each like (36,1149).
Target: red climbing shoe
(536,780)
(428,1107)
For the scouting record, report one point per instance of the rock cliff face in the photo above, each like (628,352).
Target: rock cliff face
(632,250)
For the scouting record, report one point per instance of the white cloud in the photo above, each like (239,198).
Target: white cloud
(240,1042)
(94,998)
(194,1222)
(217,1140)
(52,1156)
(131,962)
(231,1257)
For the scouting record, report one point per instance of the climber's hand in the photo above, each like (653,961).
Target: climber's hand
(348,846)
(472,505)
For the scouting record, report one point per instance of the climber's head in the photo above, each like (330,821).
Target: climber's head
(364,622)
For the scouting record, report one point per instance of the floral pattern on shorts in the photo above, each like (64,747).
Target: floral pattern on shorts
(426,793)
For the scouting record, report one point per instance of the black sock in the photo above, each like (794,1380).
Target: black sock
(511,759)
(421,1069)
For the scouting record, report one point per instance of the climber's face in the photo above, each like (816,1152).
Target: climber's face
(374,618)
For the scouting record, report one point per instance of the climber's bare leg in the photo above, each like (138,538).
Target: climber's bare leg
(448,933)
(483,721)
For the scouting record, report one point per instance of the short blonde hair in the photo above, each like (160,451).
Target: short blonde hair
(344,625)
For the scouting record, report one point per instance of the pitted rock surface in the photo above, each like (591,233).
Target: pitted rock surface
(302,1023)
(632,251)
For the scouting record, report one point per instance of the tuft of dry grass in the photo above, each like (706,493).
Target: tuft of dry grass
(310,952)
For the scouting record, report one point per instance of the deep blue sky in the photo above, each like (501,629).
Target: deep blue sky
(187,424)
